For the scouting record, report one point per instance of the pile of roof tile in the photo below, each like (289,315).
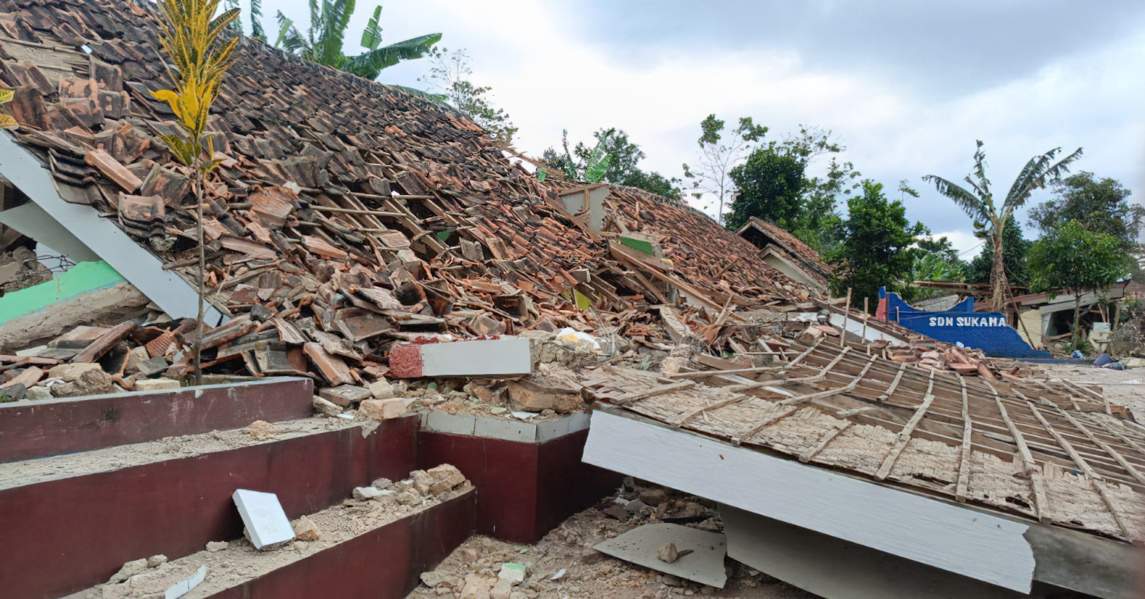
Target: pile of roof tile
(344,216)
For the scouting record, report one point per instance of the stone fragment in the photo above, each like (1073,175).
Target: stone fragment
(502,590)
(384,409)
(71,372)
(653,496)
(156,560)
(214,546)
(366,493)
(323,406)
(408,498)
(383,484)
(446,477)
(260,430)
(345,395)
(128,570)
(381,389)
(266,524)
(514,572)
(305,529)
(476,587)
(37,393)
(668,553)
(434,578)
(89,382)
(422,481)
(159,384)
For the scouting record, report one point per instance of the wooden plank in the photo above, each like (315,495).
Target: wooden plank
(1133,471)
(905,434)
(632,398)
(964,454)
(825,440)
(1095,479)
(894,383)
(105,342)
(1031,468)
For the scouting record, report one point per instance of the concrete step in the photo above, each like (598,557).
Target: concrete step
(528,475)
(77,518)
(364,549)
(30,429)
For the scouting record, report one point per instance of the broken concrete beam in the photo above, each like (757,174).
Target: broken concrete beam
(506,356)
(382,409)
(266,523)
(344,395)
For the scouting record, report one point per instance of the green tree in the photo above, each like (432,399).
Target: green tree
(770,186)
(1100,205)
(614,158)
(256,30)
(934,259)
(1015,247)
(449,75)
(720,151)
(876,247)
(325,39)
(990,218)
(1076,259)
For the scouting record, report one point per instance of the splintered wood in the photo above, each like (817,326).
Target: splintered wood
(1059,458)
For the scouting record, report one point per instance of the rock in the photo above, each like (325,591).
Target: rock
(159,384)
(408,498)
(366,493)
(653,496)
(446,477)
(38,393)
(305,529)
(422,481)
(89,382)
(476,587)
(344,395)
(323,406)
(615,511)
(13,392)
(383,409)
(214,546)
(71,372)
(382,484)
(551,388)
(381,389)
(667,553)
(434,578)
(635,506)
(591,556)
(128,570)
(502,590)
(261,430)
(514,572)
(156,560)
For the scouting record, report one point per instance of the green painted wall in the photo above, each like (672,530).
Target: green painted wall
(82,278)
(639,245)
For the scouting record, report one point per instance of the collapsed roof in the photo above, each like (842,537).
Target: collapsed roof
(342,204)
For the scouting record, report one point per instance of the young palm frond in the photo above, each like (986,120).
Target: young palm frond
(974,206)
(256,30)
(289,38)
(371,63)
(372,34)
(1039,171)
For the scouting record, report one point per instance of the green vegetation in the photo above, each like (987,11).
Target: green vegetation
(325,39)
(990,219)
(192,38)
(1099,205)
(720,152)
(614,158)
(1076,259)
(876,248)
(449,78)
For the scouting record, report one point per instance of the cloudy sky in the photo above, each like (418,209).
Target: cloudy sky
(907,86)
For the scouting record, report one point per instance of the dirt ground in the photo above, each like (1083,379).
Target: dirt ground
(564,565)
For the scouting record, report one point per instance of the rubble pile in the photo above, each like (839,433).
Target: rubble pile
(344,216)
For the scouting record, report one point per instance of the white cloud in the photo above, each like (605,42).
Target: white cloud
(964,242)
(547,75)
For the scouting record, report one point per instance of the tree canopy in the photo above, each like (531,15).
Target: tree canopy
(1077,259)
(449,79)
(1100,205)
(720,152)
(614,158)
(876,246)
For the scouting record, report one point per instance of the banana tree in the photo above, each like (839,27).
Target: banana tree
(990,219)
(325,38)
